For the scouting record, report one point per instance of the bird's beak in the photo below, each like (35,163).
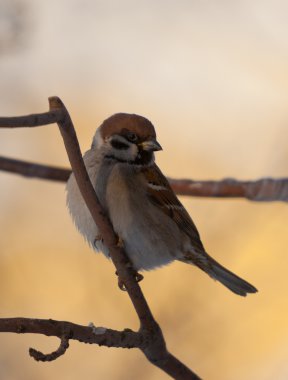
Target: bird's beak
(150,145)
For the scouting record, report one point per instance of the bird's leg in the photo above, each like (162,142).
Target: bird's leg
(138,277)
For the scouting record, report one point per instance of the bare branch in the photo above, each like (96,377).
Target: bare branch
(33,120)
(32,170)
(83,334)
(92,335)
(118,256)
(265,189)
(154,346)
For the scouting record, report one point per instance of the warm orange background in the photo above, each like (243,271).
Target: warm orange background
(212,76)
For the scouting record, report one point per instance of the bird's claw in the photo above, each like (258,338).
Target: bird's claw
(121,285)
(138,277)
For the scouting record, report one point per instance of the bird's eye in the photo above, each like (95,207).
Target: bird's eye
(132,136)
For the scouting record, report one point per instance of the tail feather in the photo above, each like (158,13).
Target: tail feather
(219,273)
(229,279)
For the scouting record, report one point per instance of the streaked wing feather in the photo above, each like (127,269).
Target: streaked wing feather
(161,194)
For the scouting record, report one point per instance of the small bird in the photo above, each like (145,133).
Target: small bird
(145,213)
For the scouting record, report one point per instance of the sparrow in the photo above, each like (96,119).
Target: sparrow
(147,216)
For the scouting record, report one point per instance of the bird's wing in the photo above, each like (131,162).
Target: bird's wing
(162,196)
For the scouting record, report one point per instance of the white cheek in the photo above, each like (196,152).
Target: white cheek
(129,154)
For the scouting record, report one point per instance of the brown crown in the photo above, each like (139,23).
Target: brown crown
(121,123)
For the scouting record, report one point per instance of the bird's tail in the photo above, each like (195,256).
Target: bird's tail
(227,278)
(230,280)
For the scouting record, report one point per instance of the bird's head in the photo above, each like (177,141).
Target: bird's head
(127,138)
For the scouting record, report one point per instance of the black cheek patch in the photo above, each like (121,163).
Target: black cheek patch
(119,145)
(144,157)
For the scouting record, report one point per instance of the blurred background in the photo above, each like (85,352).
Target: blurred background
(212,76)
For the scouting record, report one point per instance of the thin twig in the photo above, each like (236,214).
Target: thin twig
(92,335)
(33,170)
(261,190)
(155,346)
(153,343)
(118,256)
(33,120)
(40,357)
(85,334)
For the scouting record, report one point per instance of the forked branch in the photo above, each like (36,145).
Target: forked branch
(151,341)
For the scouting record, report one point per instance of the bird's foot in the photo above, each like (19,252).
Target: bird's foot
(138,277)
